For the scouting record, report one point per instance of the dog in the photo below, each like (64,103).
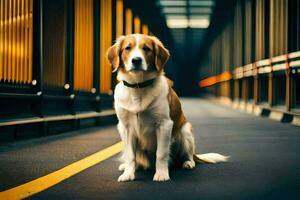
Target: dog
(152,125)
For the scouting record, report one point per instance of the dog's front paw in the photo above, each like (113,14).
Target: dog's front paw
(162,175)
(122,167)
(189,164)
(126,177)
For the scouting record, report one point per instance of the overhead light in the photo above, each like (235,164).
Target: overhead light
(202,3)
(182,14)
(199,16)
(172,3)
(200,10)
(174,10)
(175,17)
(170,16)
(198,23)
(185,23)
(177,23)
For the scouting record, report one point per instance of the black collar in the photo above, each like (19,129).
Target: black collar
(139,85)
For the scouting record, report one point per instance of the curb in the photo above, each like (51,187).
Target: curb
(258,110)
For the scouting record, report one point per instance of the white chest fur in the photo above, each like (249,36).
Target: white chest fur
(142,110)
(137,100)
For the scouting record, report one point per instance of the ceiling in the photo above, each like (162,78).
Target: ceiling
(188,21)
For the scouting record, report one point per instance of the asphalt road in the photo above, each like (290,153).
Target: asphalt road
(264,163)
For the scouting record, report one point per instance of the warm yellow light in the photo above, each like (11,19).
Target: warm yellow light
(226,76)
(177,23)
(198,23)
(185,23)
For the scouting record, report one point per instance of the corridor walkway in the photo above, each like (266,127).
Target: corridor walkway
(264,163)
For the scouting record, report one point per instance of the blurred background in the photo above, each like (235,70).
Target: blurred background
(53,67)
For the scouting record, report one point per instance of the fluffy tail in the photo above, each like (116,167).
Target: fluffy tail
(210,158)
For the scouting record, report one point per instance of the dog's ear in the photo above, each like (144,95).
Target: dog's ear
(161,54)
(113,54)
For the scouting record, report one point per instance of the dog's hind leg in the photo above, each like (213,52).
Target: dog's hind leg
(188,146)
(122,166)
(188,149)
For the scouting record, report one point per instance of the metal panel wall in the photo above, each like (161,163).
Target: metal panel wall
(145,29)
(16,41)
(248,31)
(137,24)
(83,45)
(105,43)
(54,52)
(260,30)
(128,21)
(238,35)
(266,61)
(278,27)
(119,18)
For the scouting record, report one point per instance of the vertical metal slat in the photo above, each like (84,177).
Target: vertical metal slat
(1,39)
(30,39)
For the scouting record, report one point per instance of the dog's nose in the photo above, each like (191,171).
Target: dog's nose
(136,61)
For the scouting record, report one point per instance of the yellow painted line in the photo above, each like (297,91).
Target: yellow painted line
(47,181)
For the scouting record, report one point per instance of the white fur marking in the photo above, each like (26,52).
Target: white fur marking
(136,53)
(164,133)
(189,164)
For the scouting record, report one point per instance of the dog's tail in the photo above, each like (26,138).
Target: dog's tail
(210,158)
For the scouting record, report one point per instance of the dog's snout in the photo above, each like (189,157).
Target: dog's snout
(136,61)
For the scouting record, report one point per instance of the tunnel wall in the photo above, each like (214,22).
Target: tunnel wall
(253,61)
(53,72)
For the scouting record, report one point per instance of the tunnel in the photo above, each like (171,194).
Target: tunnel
(229,75)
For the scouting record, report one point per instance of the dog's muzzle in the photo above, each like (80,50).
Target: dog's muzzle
(136,64)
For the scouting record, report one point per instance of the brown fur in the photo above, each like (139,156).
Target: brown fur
(176,112)
(126,47)
(113,54)
(148,48)
(161,53)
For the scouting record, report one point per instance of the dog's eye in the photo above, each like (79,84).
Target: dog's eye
(127,48)
(145,48)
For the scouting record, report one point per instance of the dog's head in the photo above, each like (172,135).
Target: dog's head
(137,53)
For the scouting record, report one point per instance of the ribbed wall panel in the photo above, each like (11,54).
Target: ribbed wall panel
(260,34)
(137,24)
(54,52)
(145,29)
(105,43)
(16,41)
(278,27)
(129,19)
(248,31)
(119,18)
(83,45)
(238,35)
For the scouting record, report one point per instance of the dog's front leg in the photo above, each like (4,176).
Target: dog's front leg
(163,136)
(129,142)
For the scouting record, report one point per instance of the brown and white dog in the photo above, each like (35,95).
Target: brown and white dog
(152,125)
